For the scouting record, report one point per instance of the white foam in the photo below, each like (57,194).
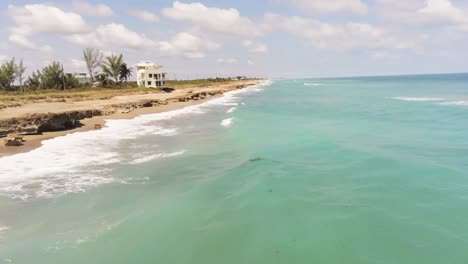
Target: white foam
(166,132)
(156,156)
(312,84)
(226,122)
(231,110)
(419,99)
(457,103)
(4,228)
(78,161)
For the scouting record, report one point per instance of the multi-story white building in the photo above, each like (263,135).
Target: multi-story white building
(150,75)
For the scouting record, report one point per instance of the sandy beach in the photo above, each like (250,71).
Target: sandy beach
(171,101)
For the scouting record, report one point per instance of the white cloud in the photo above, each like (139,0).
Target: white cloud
(144,15)
(441,11)
(188,45)
(89,9)
(227,61)
(218,20)
(330,6)
(116,35)
(250,62)
(423,12)
(41,18)
(254,47)
(119,36)
(24,42)
(338,37)
(75,65)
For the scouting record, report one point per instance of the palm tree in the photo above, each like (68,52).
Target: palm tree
(112,66)
(125,73)
(93,58)
(19,71)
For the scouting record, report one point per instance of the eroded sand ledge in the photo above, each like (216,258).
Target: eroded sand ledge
(41,121)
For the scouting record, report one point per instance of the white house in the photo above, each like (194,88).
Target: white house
(150,75)
(82,77)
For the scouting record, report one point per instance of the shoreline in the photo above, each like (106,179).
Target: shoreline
(35,141)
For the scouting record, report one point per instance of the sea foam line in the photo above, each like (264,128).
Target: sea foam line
(419,99)
(156,156)
(456,103)
(312,84)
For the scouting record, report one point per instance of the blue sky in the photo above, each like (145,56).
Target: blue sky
(266,38)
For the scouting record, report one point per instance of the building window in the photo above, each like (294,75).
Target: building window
(164,76)
(158,84)
(151,75)
(149,82)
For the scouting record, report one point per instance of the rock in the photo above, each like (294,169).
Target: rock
(97,126)
(14,141)
(255,159)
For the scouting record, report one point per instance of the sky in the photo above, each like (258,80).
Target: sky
(256,38)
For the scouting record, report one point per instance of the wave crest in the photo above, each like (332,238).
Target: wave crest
(156,156)
(419,99)
(226,122)
(457,103)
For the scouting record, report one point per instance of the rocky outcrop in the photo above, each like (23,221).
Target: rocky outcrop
(38,123)
(197,96)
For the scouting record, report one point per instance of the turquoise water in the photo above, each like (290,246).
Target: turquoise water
(355,170)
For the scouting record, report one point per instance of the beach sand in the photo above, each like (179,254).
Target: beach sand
(34,141)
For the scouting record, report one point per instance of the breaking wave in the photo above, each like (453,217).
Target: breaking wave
(457,103)
(231,110)
(226,122)
(419,99)
(147,158)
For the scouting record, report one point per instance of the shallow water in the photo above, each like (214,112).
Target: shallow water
(356,170)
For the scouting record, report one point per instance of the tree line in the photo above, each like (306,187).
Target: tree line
(103,71)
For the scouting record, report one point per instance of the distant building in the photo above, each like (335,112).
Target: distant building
(82,78)
(239,78)
(150,75)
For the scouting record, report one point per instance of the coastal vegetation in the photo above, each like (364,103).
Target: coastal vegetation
(107,72)
(103,72)
(108,77)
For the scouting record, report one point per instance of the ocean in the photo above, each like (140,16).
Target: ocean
(342,170)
